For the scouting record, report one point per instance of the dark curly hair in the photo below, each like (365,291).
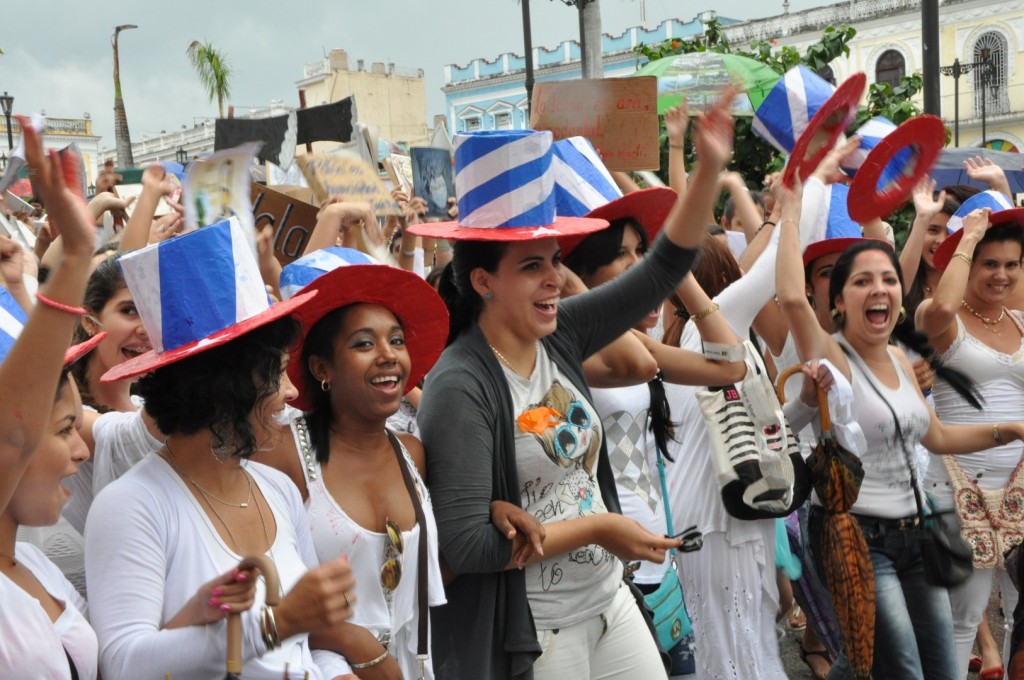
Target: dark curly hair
(218,390)
(104,283)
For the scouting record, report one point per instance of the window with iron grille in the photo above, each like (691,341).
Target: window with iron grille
(990,81)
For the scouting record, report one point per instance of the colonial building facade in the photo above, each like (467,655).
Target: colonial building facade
(490,93)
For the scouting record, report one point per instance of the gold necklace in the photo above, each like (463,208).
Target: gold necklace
(504,360)
(206,497)
(203,491)
(988,323)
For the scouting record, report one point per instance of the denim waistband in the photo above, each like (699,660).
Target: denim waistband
(898,524)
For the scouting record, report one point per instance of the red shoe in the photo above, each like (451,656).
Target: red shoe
(974,665)
(996,673)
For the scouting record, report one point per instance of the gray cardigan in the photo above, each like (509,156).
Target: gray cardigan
(466,421)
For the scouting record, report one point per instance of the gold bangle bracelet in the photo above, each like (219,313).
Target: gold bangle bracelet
(963,256)
(372,662)
(704,313)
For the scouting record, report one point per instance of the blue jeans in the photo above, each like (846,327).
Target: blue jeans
(913,619)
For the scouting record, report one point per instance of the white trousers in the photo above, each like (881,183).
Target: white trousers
(969,601)
(614,645)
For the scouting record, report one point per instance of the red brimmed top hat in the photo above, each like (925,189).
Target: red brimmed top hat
(889,163)
(12,322)
(585,188)
(804,109)
(196,292)
(345,276)
(506,190)
(1003,212)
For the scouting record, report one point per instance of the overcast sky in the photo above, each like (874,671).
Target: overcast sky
(58,57)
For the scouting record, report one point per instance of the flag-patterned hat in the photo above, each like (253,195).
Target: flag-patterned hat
(196,292)
(506,190)
(890,162)
(840,230)
(1002,212)
(345,276)
(585,188)
(803,108)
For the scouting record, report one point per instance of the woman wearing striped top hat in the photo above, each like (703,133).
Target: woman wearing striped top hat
(507,416)
(969,324)
(164,540)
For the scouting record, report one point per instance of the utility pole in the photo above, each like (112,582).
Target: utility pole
(930,35)
(122,138)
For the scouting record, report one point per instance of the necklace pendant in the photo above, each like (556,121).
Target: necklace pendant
(243,505)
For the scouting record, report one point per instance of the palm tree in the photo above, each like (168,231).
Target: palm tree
(214,72)
(122,138)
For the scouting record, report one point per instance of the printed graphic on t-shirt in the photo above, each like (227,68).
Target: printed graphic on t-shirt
(563,427)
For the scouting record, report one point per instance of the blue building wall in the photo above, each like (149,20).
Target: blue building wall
(480,92)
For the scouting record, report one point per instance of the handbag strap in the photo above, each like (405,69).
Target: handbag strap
(664,497)
(421,567)
(896,422)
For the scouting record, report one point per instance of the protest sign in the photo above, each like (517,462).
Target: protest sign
(618,115)
(278,134)
(217,187)
(401,167)
(432,179)
(292,219)
(348,178)
(126,191)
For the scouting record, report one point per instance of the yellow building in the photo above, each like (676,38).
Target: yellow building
(59,133)
(888,45)
(387,96)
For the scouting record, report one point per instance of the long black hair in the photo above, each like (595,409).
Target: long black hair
(219,389)
(320,343)
(104,283)
(903,332)
(456,289)
(601,249)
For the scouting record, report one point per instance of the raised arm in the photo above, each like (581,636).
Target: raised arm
(31,370)
(925,208)
(985,170)
(677,121)
(937,317)
(155,185)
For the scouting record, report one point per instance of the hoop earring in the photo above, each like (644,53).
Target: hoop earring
(902,316)
(837,316)
(325,385)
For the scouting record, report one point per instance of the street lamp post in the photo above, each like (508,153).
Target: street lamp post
(958,69)
(7,103)
(181,155)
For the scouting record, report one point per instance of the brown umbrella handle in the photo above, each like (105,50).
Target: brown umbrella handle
(780,390)
(269,571)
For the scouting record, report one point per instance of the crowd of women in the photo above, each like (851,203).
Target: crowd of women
(488,456)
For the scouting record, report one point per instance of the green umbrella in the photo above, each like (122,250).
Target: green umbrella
(699,76)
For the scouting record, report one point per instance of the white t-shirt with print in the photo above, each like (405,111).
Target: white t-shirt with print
(558,438)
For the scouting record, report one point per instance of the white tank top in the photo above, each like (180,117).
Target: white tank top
(1000,381)
(336,534)
(886,491)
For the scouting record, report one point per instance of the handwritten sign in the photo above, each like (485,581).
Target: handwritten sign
(618,115)
(292,219)
(349,178)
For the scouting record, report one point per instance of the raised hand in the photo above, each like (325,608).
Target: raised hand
(926,206)
(985,170)
(975,224)
(232,592)
(677,121)
(829,170)
(714,137)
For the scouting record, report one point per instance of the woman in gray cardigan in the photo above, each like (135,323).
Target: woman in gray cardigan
(506,416)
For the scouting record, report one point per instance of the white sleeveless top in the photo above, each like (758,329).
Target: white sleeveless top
(1000,381)
(886,491)
(336,534)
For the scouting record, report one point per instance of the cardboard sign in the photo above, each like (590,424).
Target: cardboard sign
(293,221)
(432,179)
(348,178)
(618,115)
(217,188)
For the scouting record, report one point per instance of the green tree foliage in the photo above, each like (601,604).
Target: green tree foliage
(214,72)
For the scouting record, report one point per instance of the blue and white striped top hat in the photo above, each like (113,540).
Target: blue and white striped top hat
(889,163)
(505,188)
(840,229)
(298,274)
(801,106)
(585,188)
(196,292)
(1003,212)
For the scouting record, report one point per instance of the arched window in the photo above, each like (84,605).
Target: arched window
(890,67)
(990,81)
(826,74)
